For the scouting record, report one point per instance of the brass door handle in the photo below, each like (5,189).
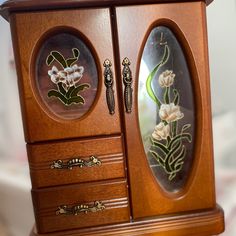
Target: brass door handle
(127,80)
(75,210)
(108,81)
(76,162)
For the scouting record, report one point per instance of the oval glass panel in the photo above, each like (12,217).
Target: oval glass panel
(166,109)
(66,76)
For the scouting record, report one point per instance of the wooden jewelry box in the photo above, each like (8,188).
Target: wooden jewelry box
(115,100)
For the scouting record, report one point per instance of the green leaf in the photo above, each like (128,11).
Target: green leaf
(49,60)
(150,91)
(61,88)
(77,100)
(186,127)
(160,146)
(80,88)
(158,158)
(180,137)
(170,156)
(69,92)
(59,58)
(150,77)
(172,176)
(180,157)
(176,98)
(174,128)
(55,93)
(76,52)
(71,61)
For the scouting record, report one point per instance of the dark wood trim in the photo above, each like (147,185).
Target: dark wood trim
(11,6)
(205,223)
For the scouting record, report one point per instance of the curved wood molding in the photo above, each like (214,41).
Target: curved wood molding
(205,223)
(25,6)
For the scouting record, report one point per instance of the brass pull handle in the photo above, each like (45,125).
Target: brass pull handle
(127,80)
(108,80)
(75,210)
(93,161)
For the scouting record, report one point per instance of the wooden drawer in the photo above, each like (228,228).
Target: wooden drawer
(111,196)
(97,159)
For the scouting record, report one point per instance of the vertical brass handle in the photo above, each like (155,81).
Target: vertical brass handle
(108,80)
(127,80)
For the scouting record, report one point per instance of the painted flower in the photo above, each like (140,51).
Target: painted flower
(74,74)
(161,131)
(170,112)
(53,73)
(69,76)
(166,79)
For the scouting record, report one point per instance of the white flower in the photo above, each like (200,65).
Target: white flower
(74,74)
(161,131)
(170,112)
(69,76)
(166,79)
(53,73)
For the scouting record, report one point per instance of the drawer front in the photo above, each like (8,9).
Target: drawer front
(78,206)
(75,162)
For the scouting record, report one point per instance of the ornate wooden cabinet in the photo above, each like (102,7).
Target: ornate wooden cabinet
(116,107)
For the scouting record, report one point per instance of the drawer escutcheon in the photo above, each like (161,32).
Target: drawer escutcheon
(76,162)
(75,210)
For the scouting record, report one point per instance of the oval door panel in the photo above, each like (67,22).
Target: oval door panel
(166,109)
(66,76)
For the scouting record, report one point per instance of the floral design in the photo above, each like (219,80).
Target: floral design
(170,112)
(167,138)
(166,79)
(67,79)
(161,131)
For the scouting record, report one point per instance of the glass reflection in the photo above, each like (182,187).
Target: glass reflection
(66,76)
(166,109)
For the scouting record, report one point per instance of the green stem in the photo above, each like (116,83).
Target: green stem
(167,95)
(168,140)
(150,77)
(161,146)
(174,128)
(180,137)
(69,92)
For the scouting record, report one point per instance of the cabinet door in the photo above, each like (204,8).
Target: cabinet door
(60,62)
(168,129)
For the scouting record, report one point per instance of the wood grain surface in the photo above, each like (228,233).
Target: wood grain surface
(112,194)
(39,123)
(204,223)
(108,150)
(11,6)
(135,202)
(148,198)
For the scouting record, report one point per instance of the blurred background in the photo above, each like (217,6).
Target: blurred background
(16,214)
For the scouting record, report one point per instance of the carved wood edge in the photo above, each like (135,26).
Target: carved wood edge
(13,6)
(204,223)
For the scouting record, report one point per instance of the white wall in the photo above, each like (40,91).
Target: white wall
(221,18)
(11,134)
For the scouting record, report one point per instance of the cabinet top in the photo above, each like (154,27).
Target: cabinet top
(34,5)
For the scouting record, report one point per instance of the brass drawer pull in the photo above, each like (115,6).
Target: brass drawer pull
(93,161)
(108,81)
(127,80)
(75,210)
